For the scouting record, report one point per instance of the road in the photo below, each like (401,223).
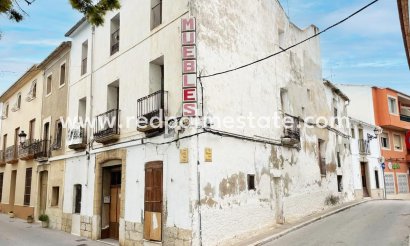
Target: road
(373,223)
(16,232)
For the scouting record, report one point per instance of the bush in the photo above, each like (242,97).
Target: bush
(43,218)
(332,200)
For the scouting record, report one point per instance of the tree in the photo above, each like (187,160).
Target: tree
(94,12)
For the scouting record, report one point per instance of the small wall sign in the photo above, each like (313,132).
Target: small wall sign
(183,155)
(208,155)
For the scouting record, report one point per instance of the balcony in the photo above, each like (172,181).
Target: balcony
(26,151)
(42,150)
(115,42)
(364,147)
(77,138)
(151,111)
(107,127)
(405,118)
(2,159)
(11,155)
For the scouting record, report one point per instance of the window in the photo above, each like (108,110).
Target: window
(339,163)
(27,189)
(115,34)
(62,74)
(82,108)
(376,176)
(84,57)
(6,111)
(32,129)
(55,196)
(353,133)
(385,142)
(284,100)
(392,105)
(339,183)
(336,116)
(19,101)
(156,13)
(281,35)
(251,182)
(34,92)
(49,84)
(77,198)
(113,95)
(1,185)
(398,143)
(59,135)
(322,159)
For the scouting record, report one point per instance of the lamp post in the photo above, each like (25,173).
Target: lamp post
(22,137)
(377,132)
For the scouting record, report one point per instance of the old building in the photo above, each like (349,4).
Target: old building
(51,166)
(192,184)
(18,170)
(389,110)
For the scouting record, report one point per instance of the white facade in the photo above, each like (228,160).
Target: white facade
(206,201)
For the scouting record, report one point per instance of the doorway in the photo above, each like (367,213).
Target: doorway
(364,179)
(153,201)
(111,202)
(12,189)
(43,192)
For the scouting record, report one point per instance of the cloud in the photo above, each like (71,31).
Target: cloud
(41,42)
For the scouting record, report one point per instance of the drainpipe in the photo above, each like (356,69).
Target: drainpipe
(91,100)
(198,175)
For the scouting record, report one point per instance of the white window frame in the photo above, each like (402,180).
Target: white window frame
(397,105)
(65,75)
(401,142)
(51,84)
(388,141)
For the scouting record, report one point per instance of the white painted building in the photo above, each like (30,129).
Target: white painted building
(210,183)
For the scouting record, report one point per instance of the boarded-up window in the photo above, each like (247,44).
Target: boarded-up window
(1,185)
(153,201)
(55,196)
(27,189)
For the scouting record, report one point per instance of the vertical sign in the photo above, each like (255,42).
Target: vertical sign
(189,86)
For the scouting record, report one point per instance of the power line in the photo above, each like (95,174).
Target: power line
(290,47)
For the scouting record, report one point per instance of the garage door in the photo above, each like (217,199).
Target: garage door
(389,179)
(403,182)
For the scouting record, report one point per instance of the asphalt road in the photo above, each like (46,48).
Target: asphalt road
(373,223)
(16,232)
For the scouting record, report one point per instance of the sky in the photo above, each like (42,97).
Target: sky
(367,49)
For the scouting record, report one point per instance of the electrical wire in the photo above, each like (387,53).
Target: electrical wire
(290,47)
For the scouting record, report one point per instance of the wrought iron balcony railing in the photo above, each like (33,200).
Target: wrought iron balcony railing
(77,138)
(153,109)
(107,128)
(26,150)
(42,150)
(115,42)
(11,154)
(405,118)
(364,146)
(2,158)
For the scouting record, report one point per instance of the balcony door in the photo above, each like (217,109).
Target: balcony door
(16,140)
(12,189)
(46,136)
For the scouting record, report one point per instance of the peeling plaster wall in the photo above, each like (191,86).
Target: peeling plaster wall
(289,185)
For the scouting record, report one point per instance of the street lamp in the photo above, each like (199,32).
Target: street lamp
(377,132)
(22,137)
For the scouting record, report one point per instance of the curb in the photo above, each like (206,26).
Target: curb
(296,227)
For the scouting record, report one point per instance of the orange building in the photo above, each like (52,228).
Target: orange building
(392,114)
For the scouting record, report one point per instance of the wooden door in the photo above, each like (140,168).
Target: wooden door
(12,189)
(43,191)
(364,180)
(115,212)
(153,201)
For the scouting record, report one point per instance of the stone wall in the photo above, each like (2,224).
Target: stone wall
(176,236)
(66,222)
(133,233)
(86,226)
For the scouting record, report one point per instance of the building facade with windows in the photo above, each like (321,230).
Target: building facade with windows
(51,166)
(141,183)
(18,170)
(389,110)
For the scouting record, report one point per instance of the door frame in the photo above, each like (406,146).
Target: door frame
(363,168)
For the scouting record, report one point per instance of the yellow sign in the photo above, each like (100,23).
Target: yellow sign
(183,155)
(208,155)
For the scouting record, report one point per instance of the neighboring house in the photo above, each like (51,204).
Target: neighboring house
(54,109)
(367,170)
(18,166)
(193,185)
(388,109)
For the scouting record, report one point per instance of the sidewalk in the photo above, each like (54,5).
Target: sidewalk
(281,230)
